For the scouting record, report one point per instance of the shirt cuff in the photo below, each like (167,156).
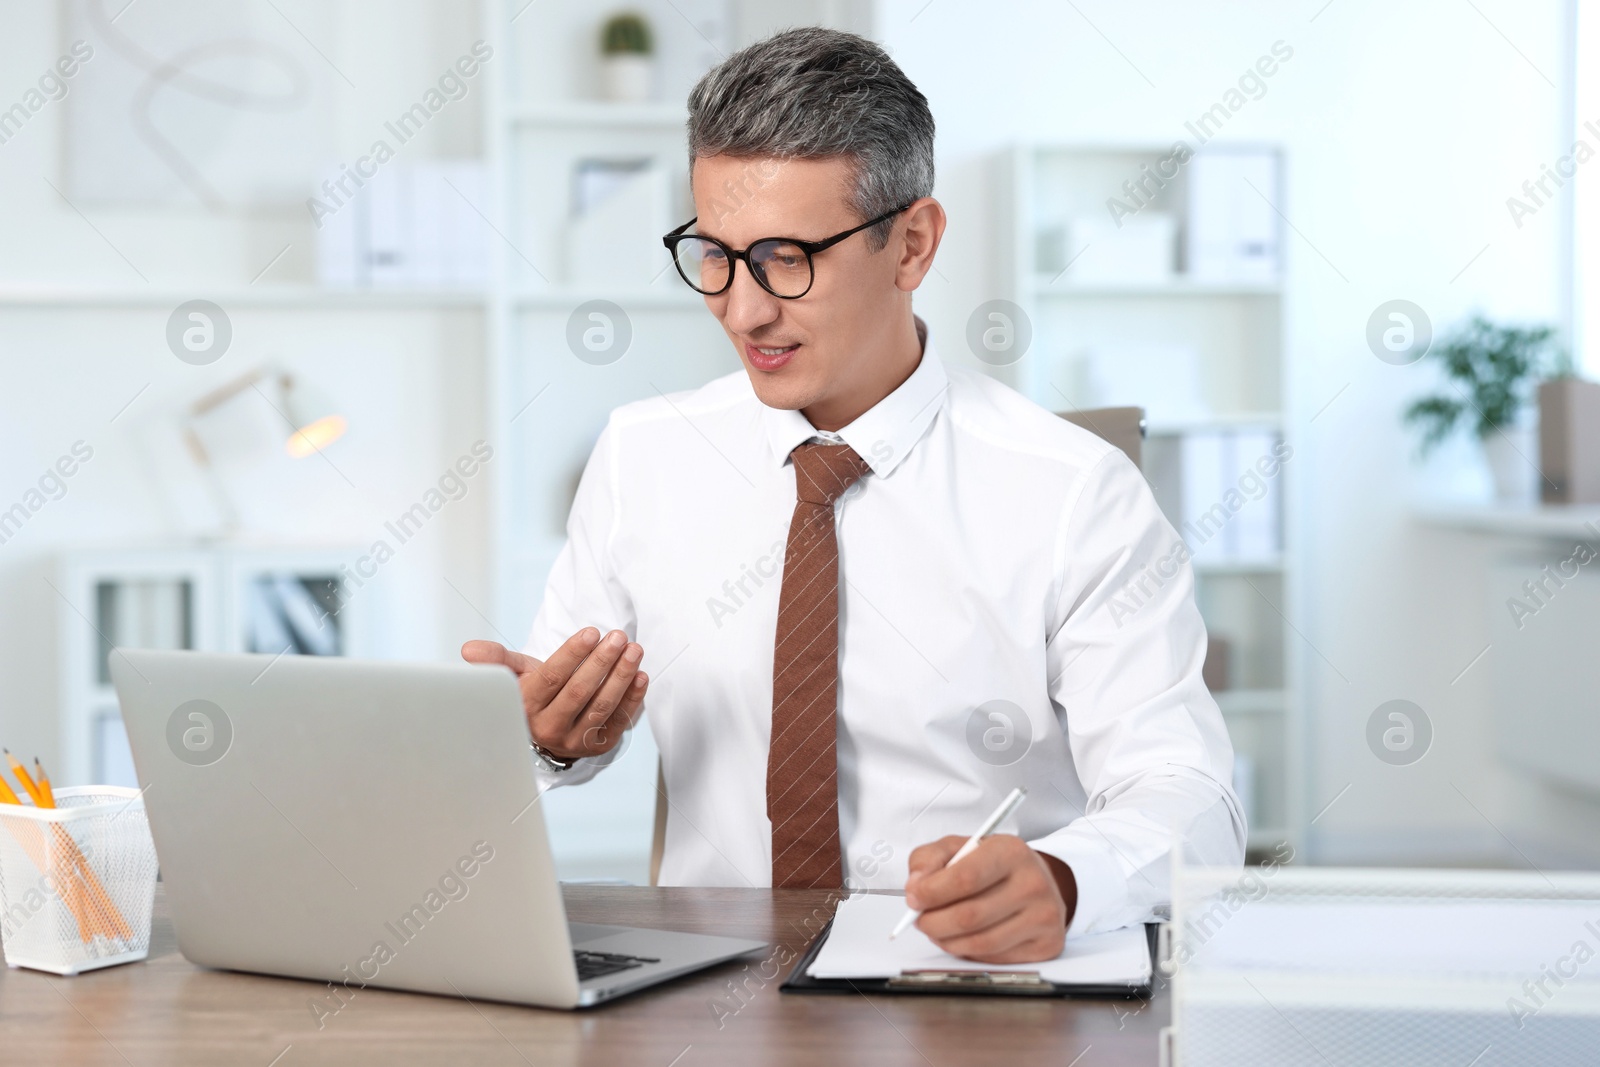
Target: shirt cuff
(1102,890)
(577,774)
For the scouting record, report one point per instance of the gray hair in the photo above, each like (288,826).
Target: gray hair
(817,93)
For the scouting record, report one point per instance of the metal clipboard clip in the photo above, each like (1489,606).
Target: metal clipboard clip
(1024,982)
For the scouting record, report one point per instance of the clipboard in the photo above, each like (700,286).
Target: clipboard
(1004,981)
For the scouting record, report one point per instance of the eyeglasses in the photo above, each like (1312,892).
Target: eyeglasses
(781,265)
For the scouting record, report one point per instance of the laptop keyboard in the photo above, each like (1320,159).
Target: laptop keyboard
(596,964)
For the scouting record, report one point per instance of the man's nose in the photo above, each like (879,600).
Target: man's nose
(749,307)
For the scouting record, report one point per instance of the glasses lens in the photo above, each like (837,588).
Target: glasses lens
(783,266)
(703,265)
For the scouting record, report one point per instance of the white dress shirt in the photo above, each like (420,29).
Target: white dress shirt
(978,648)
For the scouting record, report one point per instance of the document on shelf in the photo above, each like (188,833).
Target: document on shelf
(858,946)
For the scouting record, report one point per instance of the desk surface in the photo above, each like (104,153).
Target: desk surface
(168,1012)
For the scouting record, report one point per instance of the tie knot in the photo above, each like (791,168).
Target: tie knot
(823,472)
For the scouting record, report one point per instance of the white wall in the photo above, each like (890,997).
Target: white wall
(1405,127)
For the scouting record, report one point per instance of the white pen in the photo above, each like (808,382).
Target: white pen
(1007,806)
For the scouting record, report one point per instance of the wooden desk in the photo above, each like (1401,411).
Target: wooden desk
(166,1012)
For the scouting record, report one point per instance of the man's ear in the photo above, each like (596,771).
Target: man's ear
(918,242)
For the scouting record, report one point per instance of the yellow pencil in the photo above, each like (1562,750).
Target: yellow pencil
(91,906)
(46,794)
(22,776)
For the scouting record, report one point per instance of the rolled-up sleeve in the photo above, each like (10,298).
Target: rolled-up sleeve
(583,588)
(1148,742)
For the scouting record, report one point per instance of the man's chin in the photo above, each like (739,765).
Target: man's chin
(774,392)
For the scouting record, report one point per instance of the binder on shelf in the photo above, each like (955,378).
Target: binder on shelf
(617,238)
(1229,506)
(1204,521)
(409,225)
(1256,523)
(1233,228)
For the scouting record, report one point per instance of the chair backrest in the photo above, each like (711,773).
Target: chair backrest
(1123,427)
(658,836)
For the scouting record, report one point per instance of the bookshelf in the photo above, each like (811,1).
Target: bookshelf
(202,598)
(546,405)
(278,296)
(1226,334)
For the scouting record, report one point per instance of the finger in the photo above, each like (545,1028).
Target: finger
(971,915)
(570,699)
(925,859)
(1022,940)
(484,652)
(1027,929)
(607,700)
(524,666)
(543,683)
(968,877)
(633,703)
(608,735)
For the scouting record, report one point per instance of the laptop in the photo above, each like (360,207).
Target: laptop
(368,823)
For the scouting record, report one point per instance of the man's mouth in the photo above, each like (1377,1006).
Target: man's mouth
(769,358)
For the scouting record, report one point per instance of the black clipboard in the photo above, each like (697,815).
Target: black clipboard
(1013,981)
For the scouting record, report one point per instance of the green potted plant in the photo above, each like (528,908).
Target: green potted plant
(1493,371)
(627,64)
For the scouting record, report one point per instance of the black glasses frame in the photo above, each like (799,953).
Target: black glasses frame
(810,248)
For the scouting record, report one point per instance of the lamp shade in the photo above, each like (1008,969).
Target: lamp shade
(316,422)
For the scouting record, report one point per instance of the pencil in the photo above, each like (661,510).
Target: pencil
(45,792)
(81,890)
(22,776)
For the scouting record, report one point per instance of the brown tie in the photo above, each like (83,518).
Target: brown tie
(802,770)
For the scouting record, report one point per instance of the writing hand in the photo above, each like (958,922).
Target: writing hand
(1003,903)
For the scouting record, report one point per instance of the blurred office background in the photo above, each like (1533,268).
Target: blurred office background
(234,231)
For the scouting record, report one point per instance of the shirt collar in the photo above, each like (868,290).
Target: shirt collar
(883,434)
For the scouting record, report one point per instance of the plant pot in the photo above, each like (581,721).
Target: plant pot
(1512,453)
(627,78)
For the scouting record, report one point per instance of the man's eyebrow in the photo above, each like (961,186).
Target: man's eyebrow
(696,231)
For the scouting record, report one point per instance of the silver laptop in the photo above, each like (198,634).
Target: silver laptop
(368,823)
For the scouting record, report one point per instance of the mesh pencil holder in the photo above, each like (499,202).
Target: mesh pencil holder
(76,881)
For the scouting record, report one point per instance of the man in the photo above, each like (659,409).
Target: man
(876,591)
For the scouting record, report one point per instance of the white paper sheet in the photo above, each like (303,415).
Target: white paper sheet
(858,946)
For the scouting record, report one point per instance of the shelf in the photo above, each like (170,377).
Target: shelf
(1252,701)
(565,299)
(1246,381)
(1264,565)
(1241,420)
(285,296)
(1040,285)
(591,113)
(1550,520)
